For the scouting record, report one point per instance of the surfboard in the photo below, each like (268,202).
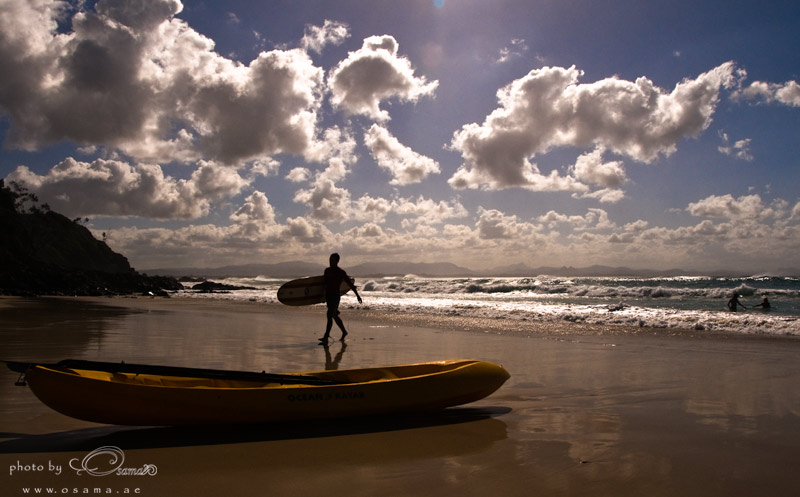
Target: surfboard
(307,291)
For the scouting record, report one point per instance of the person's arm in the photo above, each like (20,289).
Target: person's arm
(353,287)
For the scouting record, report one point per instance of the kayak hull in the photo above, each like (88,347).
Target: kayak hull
(153,400)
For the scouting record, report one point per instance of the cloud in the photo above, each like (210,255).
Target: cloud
(604,196)
(317,37)
(517,48)
(372,209)
(428,211)
(492,224)
(116,188)
(304,231)
(299,175)
(787,93)
(130,76)
(139,15)
(405,165)
(726,206)
(590,168)
(266,166)
(739,149)
(548,108)
(325,200)
(594,219)
(559,238)
(374,73)
(255,209)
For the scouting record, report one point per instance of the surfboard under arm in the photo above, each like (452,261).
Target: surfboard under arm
(307,291)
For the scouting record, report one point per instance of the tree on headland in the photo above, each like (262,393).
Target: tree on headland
(16,196)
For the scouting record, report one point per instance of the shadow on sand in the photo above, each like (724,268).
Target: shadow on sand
(162,437)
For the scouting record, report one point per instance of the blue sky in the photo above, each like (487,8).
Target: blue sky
(645,134)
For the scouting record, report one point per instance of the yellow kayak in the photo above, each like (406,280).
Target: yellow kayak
(146,395)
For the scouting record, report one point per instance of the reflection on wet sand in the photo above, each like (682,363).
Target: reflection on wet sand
(332,363)
(47,329)
(599,415)
(493,429)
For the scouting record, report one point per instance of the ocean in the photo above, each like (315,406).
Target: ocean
(688,302)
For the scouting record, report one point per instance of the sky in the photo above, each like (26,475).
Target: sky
(659,134)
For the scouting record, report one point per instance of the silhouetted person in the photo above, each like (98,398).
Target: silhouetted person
(334,276)
(764,304)
(733,303)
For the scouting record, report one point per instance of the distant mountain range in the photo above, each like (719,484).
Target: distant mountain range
(297,269)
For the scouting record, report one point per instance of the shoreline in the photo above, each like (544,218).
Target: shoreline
(363,314)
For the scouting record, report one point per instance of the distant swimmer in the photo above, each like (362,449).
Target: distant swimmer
(764,304)
(733,303)
(334,276)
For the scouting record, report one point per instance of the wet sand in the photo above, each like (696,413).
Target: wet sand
(587,411)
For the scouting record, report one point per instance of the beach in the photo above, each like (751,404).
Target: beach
(588,410)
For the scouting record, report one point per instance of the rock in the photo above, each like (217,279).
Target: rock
(213,286)
(45,253)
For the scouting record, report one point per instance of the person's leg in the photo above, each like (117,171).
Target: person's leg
(332,301)
(340,324)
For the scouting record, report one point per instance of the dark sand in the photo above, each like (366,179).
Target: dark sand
(587,411)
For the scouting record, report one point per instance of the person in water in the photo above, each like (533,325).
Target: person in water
(764,304)
(334,276)
(734,302)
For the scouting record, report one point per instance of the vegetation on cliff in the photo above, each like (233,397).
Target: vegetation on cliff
(44,253)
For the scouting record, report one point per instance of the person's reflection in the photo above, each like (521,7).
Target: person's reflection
(333,363)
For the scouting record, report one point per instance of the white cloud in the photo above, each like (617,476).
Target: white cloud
(374,73)
(429,211)
(711,243)
(266,166)
(787,93)
(368,208)
(594,219)
(548,108)
(590,168)
(182,101)
(492,224)
(255,209)
(796,211)
(299,175)
(214,181)
(517,48)
(304,231)
(604,196)
(116,188)
(405,165)
(317,37)
(748,207)
(325,200)
(739,149)
(335,143)
(139,15)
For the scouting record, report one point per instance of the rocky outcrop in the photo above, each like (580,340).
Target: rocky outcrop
(45,253)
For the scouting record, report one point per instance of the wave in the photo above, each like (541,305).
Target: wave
(695,303)
(715,288)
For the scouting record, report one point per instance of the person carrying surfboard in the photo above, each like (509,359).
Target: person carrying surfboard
(334,276)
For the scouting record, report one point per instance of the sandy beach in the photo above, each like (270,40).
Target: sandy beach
(587,411)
